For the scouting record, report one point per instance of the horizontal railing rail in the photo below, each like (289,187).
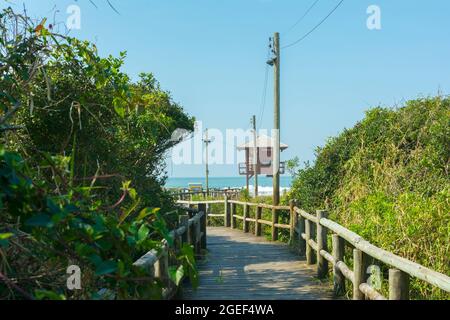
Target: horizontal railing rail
(311,235)
(187,202)
(191,230)
(188,194)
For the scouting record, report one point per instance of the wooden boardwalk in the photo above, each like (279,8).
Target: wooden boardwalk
(240,266)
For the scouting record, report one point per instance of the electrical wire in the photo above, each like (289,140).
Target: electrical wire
(302,17)
(315,28)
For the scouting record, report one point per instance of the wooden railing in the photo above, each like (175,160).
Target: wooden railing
(191,230)
(311,235)
(186,194)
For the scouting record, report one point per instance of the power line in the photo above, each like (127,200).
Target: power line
(112,7)
(302,17)
(108,2)
(317,26)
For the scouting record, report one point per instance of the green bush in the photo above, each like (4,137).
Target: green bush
(81,169)
(388,180)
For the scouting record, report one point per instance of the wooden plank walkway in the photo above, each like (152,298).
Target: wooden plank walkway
(240,266)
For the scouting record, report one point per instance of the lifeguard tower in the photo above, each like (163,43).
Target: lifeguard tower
(263,164)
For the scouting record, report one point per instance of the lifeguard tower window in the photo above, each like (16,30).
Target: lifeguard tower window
(264,163)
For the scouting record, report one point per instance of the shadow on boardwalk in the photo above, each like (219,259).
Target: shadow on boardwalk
(244,267)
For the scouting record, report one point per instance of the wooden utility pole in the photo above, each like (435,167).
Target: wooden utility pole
(276,138)
(247,173)
(255,155)
(207,142)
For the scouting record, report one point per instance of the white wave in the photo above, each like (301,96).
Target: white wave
(266,191)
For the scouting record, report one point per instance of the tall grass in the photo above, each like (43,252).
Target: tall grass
(387,179)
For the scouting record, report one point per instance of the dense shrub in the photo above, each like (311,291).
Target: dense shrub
(388,180)
(81,168)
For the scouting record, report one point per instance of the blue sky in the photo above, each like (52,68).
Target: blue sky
(211,55)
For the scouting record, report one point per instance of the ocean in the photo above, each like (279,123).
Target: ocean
(264,183)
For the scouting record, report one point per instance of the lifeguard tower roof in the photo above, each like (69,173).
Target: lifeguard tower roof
(262,141)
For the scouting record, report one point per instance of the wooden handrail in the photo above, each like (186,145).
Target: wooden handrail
(370,292)
(306,215)
(414,269)
(312,231)
(187,194)
(199,202)
(261,205)
(156,262)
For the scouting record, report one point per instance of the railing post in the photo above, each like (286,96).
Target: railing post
(293,221)
(227,212)
(184,221)
(398,285)
(322,263)
(191,234)
(197,239)
(258,230)
(301,241)
(233,213)
(359,272)
(309,232)
(202,208)
(274,221)
(338,255)
(162,267)
(245,224)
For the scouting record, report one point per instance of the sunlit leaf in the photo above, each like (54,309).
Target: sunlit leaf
(4,236)
(143,233)
(48,295)
(176,274)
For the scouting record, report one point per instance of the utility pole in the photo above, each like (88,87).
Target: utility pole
(276,63)
(207,141)
(255,155)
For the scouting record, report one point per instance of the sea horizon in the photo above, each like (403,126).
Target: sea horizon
(264,183)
